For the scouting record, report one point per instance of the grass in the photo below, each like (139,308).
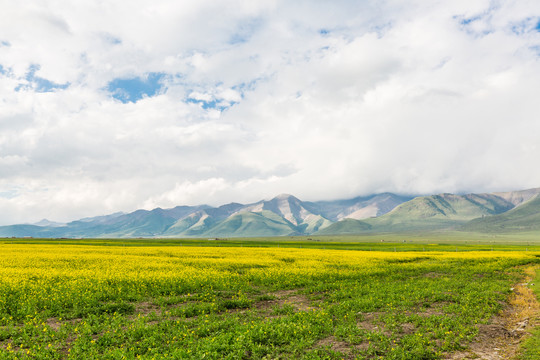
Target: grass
(413,241)
(531,347)
(151,299)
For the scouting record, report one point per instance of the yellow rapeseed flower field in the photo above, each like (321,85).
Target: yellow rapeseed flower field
(78,301)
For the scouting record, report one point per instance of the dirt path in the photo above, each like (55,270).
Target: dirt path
(500,339)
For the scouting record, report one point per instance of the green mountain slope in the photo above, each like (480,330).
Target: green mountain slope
(439,212)
(282,215)
(191,225)
(244,224)
(427,213)
(345,226)
(525,217)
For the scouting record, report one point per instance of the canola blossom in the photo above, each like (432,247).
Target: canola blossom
(114,302)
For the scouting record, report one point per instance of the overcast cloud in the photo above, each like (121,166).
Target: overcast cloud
(112,106)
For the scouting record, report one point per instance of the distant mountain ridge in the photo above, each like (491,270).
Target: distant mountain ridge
(286,215)
(282,215)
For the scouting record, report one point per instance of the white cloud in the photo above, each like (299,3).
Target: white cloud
(325,100)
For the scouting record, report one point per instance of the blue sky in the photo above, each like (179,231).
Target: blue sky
(126,105)
(137,88)
(38,84)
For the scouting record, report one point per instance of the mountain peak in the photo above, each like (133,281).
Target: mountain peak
(45,222)
(284,196)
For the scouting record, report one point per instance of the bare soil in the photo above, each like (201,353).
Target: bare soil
(341,346)
(370,322)
(299,301)
(145,308)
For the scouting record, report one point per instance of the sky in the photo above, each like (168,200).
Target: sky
(120,105)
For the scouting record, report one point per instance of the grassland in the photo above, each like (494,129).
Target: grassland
(413,241)
(319,299)
(531,347)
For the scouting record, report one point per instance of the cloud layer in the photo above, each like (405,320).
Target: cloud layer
(114,106)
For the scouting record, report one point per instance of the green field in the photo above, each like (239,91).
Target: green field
(427,241)
(531,347)
(324,298)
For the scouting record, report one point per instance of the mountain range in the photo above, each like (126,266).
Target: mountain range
(286,215)
(469,212)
